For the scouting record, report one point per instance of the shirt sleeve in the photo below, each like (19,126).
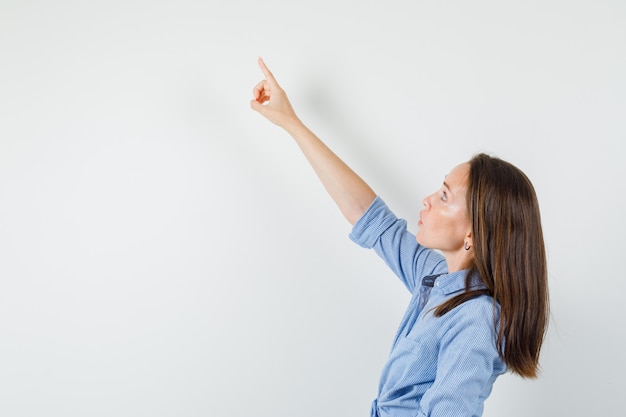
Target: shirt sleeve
(381,230)
(468,363)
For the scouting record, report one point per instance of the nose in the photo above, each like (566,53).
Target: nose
(426,201)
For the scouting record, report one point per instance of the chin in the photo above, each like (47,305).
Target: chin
(424,244)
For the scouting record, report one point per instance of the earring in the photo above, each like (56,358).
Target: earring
(467,247)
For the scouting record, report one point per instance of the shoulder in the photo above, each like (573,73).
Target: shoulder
(477,317)
(477,308)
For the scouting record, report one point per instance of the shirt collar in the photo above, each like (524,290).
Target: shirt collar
(455,281)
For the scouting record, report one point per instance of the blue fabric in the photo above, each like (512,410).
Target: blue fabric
(438,366)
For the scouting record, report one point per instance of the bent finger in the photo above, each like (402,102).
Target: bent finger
(260,88)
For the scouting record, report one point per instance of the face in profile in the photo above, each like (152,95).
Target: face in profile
(444,223)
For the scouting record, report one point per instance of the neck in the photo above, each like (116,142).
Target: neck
(458,260)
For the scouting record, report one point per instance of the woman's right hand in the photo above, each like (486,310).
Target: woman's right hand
(271,101)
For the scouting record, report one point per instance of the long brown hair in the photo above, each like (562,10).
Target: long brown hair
(510,258)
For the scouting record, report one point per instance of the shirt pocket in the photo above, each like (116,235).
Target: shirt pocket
(409,345)
(419,356)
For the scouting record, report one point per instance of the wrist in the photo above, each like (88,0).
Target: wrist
(294,125)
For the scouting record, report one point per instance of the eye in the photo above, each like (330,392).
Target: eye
(444,196)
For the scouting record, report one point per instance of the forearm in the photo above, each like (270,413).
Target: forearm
(351,194)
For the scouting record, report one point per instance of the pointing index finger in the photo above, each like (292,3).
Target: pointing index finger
(268,74)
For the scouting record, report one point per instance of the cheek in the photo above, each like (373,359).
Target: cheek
(456,222)
(461,225)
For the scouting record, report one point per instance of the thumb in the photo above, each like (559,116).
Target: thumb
(255,105)
(266,112)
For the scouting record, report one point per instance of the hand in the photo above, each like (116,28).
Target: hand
(271,101)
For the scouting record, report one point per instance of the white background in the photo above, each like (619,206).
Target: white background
(165,251)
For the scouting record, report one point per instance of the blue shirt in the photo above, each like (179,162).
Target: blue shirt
(438,366)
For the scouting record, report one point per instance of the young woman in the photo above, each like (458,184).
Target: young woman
(479,306)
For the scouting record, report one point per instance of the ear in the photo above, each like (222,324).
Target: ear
(468,241)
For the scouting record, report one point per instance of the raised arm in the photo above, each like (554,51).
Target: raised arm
(351,194)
